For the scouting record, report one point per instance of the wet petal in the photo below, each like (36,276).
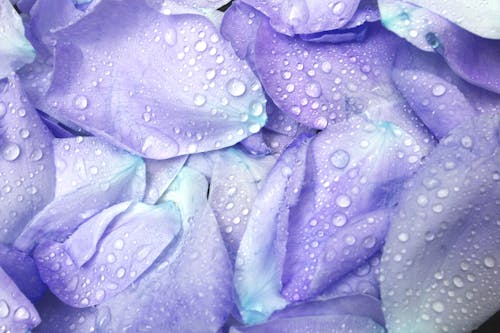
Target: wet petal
(159,176)
(355,169)
(98,86)
(318,84)
(27,169)
(255,144)
(343,314)
(107,253)
(260,258)
(306,16)
(22,270)
(188,288)
(17,314)
(58,317)
(91,176)
(439,270)
(430,32)
(15,49)
(236,180)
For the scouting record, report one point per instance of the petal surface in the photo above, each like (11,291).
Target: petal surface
(15,49)
(91,176)
(17,314)
(439,269)
(306,16)
(355,170)
(27,172)
(188,289)
(159,176)
(217,101)
(107,252)
(260,258)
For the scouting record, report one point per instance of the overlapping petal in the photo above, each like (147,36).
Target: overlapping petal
(27,172)
(15,49)
(440,265)
(431,32)
(159,176)
(91,176)
(17,314)
(355,170)
(188,288)
(261,255)
(216,102)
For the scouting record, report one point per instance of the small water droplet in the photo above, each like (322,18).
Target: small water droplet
(489,262)
(338,8)
(466,141)
(11,151)
(80,102)
(4,309)
(36,154)
(236,87)
(438,90)
(120,272)
(21,314)
(438,307)
(339,220)
(313,89)
(340,158)
(403,237)
(343,201)
(320,122)
(118,244)
(200,46)
(199,99)
(458,282)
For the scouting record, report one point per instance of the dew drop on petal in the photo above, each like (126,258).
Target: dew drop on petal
(236,87)
(489,261)
(343,201)
(81,102)
(313,89)
(21,314)
(438,307)
(438,90)
(11,151)
(340,158)
(4,309)
(170,36)
(339,220)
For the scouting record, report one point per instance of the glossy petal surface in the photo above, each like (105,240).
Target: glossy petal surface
(17,314)
(159,176)
(260,259)
(196,96)
(27,172)
(440,264)
(15,49)
(107,252)
(188,289)
(91,176)
(355,170)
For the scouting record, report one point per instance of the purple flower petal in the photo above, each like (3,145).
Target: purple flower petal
(439,269)
(318,84)
(107,253)
(159,176)
(355,169)
(236,180)
(15,49)
(260,259)
(26,165)
(432,32)
(22,270)
(344,314)
(306,16)
(17,314)
(188,288)
(91,176)
(216,103)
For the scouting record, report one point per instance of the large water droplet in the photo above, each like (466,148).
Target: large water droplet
(21,314)
(11,151)
(340,158)
(438,90)
(343,201)
(4,309)
(236,87)
(81,102)
(313,89)
(338,8)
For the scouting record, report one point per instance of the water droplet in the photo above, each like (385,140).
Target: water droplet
(422,200)
(120,272)
(80,102)
(466,141)
(21,314)
(343,201)
(4,309)
(339,220)
(438,90)
(489,262)
(36,155)
(338,8)
(118,244)
(200,46)
(210,74)
(170,36)
(99,295)
(320,122)
(111,258)
(350,239)
(458,282)
(438,307)
(11,151)
(369,242)
(236,87)
(403,237)
(199,99)
(24,132)
(340,158)
(313,89)
(326,67)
